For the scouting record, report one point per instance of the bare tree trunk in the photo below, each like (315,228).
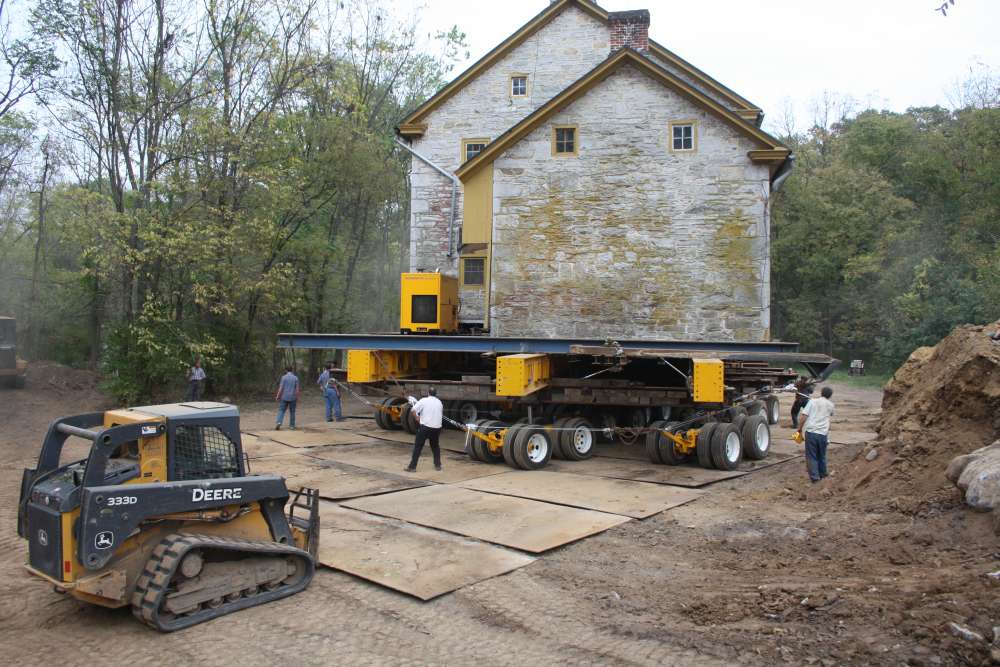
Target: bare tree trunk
(33,324)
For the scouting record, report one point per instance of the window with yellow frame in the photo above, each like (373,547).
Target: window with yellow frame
(682,136)
(565,141)
(518,86)
(473,272)
(473,147)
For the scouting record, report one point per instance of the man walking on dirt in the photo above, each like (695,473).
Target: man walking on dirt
(331,392)
(287,397)
(429,412)
(816,424)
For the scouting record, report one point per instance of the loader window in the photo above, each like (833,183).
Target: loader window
(203,452)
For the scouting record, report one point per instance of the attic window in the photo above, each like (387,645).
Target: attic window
(564,140)
(472,147)
(683,137)
(518,85)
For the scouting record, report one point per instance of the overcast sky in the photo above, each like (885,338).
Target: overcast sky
(886,53)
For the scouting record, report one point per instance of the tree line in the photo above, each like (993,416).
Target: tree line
(183,180)
(887,235)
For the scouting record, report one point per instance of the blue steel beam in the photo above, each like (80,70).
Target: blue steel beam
(482,344)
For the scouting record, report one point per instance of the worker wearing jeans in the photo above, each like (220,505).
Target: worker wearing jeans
(287,397)
(816,424)
(429,411)
(331,393)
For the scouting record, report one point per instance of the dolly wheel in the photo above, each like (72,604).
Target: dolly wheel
(557,436)
(508,444)
(576,444)
(652,442)
(726,448)
(485,453)
(756,437)
(668,448)
(532,448)
(703,446)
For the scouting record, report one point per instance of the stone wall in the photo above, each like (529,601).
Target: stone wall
(568,47)
(630,240)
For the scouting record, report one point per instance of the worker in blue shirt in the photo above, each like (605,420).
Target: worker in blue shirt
(331,392)
(287,397)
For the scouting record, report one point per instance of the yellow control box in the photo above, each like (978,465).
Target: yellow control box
(709,383)
(522,374)
(379,365)
(428,303)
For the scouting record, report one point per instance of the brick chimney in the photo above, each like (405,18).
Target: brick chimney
(630,29)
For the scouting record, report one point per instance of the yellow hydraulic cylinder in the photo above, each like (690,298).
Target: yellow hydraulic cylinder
(709,383)
(522,374)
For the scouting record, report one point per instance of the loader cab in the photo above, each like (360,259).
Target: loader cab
(144,445)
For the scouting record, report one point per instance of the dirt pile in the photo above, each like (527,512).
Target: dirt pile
(944,401)
(52,376)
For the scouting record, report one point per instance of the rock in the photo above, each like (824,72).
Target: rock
(965,633)
(872,454)
(978,475)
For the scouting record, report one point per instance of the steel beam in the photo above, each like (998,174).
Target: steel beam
(483,344)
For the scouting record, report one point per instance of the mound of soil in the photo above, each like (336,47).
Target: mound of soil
(944,401)
(53,376)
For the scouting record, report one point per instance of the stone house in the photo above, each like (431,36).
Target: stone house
(583,181)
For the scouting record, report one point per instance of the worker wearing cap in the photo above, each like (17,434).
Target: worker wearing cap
(816,424)
(429,412)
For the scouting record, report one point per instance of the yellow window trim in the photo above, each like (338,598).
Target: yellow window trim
(465,142)
(694,136)
(461,271)
(576,140)
(510,85)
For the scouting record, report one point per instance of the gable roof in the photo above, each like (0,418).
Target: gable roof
(413,123)
(771,150)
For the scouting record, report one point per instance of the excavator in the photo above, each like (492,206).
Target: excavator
(163,515)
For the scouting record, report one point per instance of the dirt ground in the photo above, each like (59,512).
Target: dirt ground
(763,569)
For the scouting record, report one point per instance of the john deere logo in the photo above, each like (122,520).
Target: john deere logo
(43,538)
(104,540)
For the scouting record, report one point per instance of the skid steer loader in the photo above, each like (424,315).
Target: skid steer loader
(163,515)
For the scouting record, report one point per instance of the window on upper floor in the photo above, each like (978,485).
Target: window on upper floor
(474,271)
(518,85)
(564,140)
(683,136)
(472,147)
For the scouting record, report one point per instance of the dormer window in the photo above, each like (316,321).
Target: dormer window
(519,85)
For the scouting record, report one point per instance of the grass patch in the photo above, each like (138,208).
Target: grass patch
(867,381)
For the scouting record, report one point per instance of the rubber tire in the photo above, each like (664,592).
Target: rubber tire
(653,442)
(380,415)
(718,448)
(736,411)
(407,421)
(508,444)
(668,454)
(475,450)
(754,407)
(565,440)
(485,453)
(521,448)
(773,407)
(635,418)
(704,445)
(458,412)
(739,421)
(751,445)
(558,425)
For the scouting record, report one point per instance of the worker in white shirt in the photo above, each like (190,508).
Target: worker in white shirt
(816,424)
(196,381)
(429,412)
